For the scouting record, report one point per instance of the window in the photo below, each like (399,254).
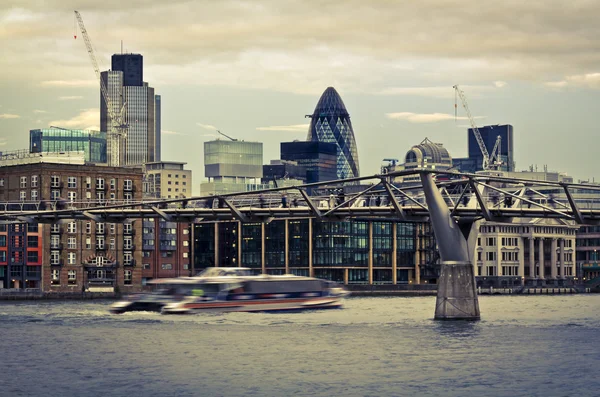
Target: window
(112,228)
(72,277)
(54,194)
(1,182)
(2,259)
(186,231)
(128,197)
(72,227)
(34,194)
(32,257)
(55,241)
(167,266)
(72,243)
(88,227)
(100,196)
(185,254)
(127,277)
(127,243)
(72,196)
(127,258)
(88,195)
(23,195)
(146,266)
(71,182)
(99,183)
(186,243)
(183,176)
(490,241)
(112,244)
(2,241)
(112,184)
(88,182)
(127,184)
(34,181)
(71,258)
(23,184)
(100,242)
(88,243)
(32,241)
(32,228)
(127,227)
(55,277)
(99,228)
(55,181)
(55,228)
(54,257)
(490,256)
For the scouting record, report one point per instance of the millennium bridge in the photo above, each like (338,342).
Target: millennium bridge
(453,202)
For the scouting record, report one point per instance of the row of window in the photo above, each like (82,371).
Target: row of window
(99,260)
(100,228)
(93,274)
(514,256)
(100,242)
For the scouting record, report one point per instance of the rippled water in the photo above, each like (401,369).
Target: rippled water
(523,346)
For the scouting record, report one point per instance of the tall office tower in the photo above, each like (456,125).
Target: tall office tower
(490,133)
(113,81)
(330,122)
(125,86)
(157,127)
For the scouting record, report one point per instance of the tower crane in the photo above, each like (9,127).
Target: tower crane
(490,161)
(117,129)
(227,136)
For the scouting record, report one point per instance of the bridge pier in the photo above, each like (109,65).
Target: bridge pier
(457,292)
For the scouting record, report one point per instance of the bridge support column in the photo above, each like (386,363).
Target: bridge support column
(457,291)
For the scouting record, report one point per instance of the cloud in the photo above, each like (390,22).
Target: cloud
(9,116)
(70,83)
(38,111)
(70,97)
(207,126)
(420,118)
(3,141)
(588,80)
(443,92)
(87,119)
(286,128)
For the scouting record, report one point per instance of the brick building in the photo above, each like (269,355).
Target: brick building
(76,255)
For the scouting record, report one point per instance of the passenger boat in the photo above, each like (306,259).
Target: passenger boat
(169,290)
(263,293)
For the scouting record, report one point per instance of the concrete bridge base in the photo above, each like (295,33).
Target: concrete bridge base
(457,292)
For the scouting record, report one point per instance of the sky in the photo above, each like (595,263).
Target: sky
(254,69)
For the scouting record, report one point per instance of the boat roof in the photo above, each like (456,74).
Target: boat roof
(231,279)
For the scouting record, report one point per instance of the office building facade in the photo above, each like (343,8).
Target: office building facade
(232,166)
(125,86)
(330,122)
(489,134)
(351,252)
(167,179)
(77,255)
(320,159)
(57,140)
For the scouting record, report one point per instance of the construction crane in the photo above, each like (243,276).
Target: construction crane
(490,161)
(227,136)
(117,129)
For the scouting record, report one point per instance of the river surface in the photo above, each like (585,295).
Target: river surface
(523,346)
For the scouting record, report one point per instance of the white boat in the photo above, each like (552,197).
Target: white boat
(263,293)
(167,290)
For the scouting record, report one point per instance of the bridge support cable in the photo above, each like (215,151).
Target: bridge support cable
(482,204)
(311,205)
(404,195)
(93,217)
(457,294)
(546,208)
(460,198)
(235,211)
(393,200)
(576,212)
(547,197)
(161,213)
(351,198)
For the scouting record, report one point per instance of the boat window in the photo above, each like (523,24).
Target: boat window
(283,286)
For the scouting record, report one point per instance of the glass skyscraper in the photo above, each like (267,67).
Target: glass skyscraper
(54,139)
(330,122)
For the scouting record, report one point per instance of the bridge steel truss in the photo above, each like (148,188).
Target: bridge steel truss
(453,202)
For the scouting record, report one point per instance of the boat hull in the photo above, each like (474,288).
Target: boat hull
(259,305)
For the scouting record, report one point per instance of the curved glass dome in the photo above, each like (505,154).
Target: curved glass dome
(331,123)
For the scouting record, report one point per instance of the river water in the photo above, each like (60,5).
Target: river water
(523,346)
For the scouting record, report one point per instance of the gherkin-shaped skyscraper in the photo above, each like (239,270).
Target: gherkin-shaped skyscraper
(331,123)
